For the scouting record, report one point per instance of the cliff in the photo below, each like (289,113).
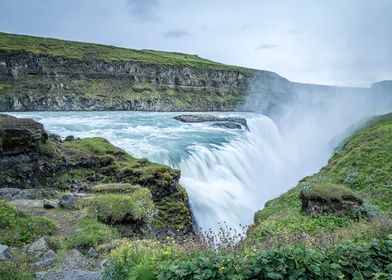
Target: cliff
(49,74)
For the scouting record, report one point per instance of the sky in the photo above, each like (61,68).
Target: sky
(336,42)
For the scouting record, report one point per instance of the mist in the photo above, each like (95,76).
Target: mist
(293,140)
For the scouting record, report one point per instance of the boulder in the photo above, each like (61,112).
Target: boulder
(50,204)
(55,137)
(229,125)
(5,253)
(69,274)
(8,193)
(68,201)
(75,260)
(15,193)
(210,118)
(91,253)
(19,135)
(69,138)
(25,205)
(45,260)
(328,198)
(36,247)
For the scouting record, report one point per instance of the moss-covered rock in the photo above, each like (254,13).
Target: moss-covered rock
(93,164)
(135,208)
(20,135)
(328,198)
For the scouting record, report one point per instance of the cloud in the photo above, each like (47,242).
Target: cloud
(176,34)
(292,31)
(266,47)
(143,10)
(204,27)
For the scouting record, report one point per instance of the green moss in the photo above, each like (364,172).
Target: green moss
(47,148)
(136,207)
(173,211)
(96,146)
(17,228)
(361,168)
(329,192)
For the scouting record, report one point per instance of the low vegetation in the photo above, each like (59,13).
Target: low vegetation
(192,260)
(136,207)
(90,233)
(17,228)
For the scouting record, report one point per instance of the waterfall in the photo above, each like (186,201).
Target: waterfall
(230,183)
(230,174)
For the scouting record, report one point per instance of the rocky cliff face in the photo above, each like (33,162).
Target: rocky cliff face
(36,82)
(38,74)
(45,74)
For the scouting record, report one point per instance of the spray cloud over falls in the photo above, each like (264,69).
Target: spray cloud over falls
(230,183)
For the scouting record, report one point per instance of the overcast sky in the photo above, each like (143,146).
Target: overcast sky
(339,42)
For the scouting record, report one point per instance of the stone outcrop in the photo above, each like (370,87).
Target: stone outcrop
(5,253)
(20,135)
(34,171)
(212,118)
(330,199)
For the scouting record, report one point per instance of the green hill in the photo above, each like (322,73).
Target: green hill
(80,51)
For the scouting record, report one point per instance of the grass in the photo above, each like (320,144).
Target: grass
(362,168)
(89,232)
(136,207)
(86,51)
(15,271)
(17,228)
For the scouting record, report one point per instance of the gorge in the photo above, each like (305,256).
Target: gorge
(284,131)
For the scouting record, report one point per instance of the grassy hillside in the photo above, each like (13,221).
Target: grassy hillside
(80,51)
(40,74)
(362,168)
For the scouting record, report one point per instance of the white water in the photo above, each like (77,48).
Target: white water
(229,174)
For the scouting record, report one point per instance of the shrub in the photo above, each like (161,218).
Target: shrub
(140,259)
(17,228)
(366,261)
(137,207)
